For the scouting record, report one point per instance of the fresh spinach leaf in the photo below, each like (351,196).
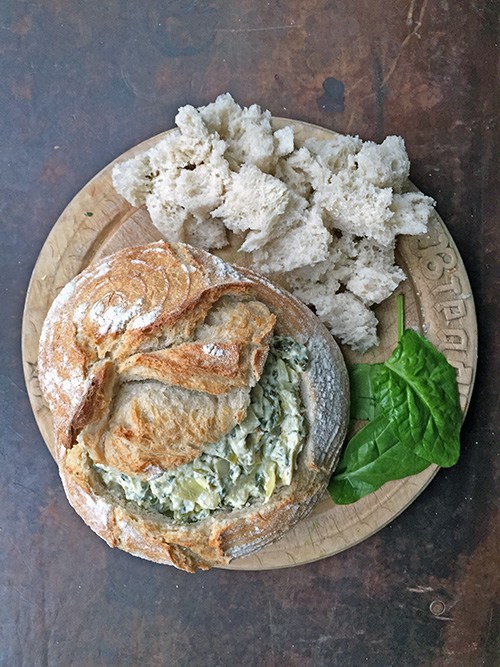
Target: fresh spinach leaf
(372,457)
(361,379)
(400,305)
(413,402)
(417,390)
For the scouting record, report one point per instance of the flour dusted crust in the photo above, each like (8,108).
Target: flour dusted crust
(125,333)
(148,357)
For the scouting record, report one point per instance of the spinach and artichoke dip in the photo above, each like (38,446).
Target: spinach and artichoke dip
(246,465)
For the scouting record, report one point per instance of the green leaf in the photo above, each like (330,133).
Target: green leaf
(401,315)
(417,390)
(89,214)
(374,456)
(361,378)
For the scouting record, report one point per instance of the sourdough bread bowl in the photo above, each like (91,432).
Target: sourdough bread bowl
(198,409)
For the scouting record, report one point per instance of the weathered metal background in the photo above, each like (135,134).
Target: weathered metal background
(82,82)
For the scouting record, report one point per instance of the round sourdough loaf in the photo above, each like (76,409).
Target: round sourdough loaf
(150,355)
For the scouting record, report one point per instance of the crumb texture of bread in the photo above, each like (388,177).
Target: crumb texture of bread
(226,169)
(148,357)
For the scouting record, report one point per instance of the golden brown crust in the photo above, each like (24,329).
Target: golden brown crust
(191,365)
(133,314)
(165,339)
(211,367)
(163,426)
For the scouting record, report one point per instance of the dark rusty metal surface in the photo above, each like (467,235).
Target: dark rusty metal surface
(83,81)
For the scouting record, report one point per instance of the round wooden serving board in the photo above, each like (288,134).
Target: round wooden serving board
(438,302)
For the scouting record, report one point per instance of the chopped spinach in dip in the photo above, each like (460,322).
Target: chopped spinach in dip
(248,463)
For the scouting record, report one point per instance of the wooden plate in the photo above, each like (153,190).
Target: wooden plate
(438,301)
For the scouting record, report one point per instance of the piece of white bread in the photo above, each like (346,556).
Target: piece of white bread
(309,235)
(356,206)
(281,223)
(386,165)
(248,133)
(348,318)
(133,178)
(365,270)
(254,201)
(302,172)
(334,153)
(227,168)
(411,212)
(373,274)
(205,234)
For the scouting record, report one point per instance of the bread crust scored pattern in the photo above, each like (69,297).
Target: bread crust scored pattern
(149,356)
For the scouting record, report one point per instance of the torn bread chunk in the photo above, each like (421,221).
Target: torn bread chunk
(309,234)
(254,201)
(315,284)
(373,274)
(284,141)
(350,320)
(247,131)
(367,271)
(205,234)
(168,218)
(333,154)
(411,212)
(257,240)
(304,171)
(197,190)
(356,206)
(133,179)
(386,165)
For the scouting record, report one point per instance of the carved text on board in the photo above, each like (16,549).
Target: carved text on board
(438,264)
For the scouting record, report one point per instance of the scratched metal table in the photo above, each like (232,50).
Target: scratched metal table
(82,82)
